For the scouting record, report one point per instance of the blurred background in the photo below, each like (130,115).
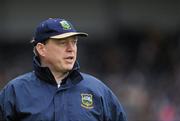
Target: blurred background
(132,46)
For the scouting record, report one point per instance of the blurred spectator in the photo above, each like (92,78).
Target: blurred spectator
(167,113)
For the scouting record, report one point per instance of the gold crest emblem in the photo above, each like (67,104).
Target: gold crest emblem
(87,101)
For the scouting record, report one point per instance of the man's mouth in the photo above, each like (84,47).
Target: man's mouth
(69,59)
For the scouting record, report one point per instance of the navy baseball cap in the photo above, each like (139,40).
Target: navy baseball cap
(55,28)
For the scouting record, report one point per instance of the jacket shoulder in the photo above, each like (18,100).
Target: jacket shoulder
(94,83)
(91,79)
(24,78)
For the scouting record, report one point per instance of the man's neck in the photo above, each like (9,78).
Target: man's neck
(59,76)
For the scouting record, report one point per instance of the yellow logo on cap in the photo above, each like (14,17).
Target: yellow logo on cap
(65,25)
(87,101)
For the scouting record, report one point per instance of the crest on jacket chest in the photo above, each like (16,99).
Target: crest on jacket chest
(87,101)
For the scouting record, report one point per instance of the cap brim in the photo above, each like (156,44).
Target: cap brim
(69,34)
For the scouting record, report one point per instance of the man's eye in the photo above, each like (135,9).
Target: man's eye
(75,41)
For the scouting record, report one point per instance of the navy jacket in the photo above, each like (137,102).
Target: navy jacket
(35,96)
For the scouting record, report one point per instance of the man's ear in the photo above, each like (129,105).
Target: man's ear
(40,49)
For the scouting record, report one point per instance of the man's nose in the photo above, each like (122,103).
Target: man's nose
(70,46)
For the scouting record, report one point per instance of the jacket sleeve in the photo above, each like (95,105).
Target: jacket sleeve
(113,110)
(7,105)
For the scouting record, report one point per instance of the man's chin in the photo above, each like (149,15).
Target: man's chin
(68,69)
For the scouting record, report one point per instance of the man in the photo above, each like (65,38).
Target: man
(56,90)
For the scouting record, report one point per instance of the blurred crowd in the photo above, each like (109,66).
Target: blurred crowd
(141,66)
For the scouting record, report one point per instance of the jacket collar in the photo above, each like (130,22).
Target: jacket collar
(44,73)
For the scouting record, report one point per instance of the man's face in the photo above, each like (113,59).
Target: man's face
(60,55)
